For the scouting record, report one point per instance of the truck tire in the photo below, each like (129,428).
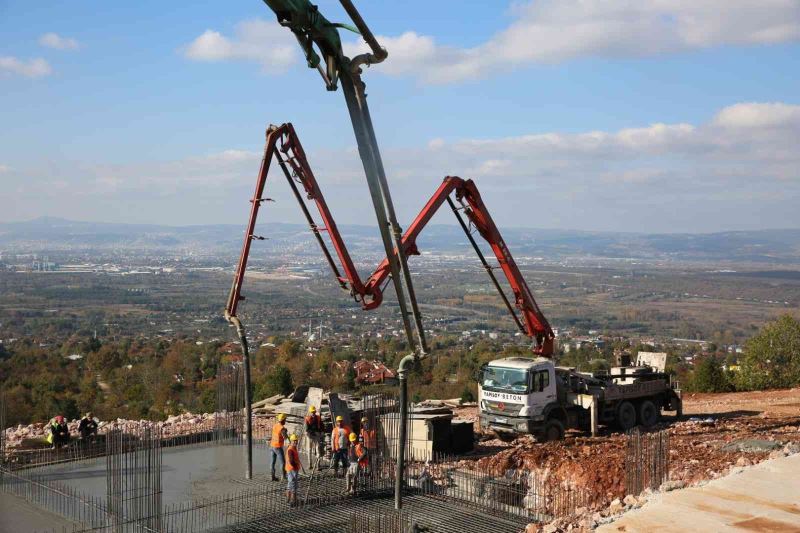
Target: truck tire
(626,416)
(553,430)
(648,414)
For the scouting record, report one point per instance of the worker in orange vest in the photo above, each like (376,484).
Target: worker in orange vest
(279,434)
(292,470)
(370,439)
(316,442)
(359,462)
(339,439)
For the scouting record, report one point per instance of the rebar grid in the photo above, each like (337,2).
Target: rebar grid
(496,490)
(441,492)
(229,417)
(646,460)
(2,428)
(133,476)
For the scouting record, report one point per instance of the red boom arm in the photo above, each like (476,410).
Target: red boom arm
(292,161)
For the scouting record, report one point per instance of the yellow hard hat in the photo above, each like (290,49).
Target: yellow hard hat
(312,409)
(293,438)
(353,437)
(365,419)
(339,418)
(281,417)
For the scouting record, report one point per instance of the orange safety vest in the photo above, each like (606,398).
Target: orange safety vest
(314,422)
(278,434)
(370,438)
(335,436)
(292,459)
(361,455)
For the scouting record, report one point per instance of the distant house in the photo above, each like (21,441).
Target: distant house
(373,372)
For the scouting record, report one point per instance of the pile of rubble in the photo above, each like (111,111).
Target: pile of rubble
(34,435)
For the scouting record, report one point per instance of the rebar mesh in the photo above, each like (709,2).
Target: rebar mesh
(133,475)
(229,417)
(646,460)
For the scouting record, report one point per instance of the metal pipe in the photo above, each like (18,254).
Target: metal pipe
(378,52)
(366,150)
(485,264)
(311,223)
(248,407)
(406,363)
(356,99)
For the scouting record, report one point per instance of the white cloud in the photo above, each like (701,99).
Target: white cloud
(54,40)
(551,31)
(254,40)
(34,68)
(739,169)
(758,115)
(235,155)
(543,31)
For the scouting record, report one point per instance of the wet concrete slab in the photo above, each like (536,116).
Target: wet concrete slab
(17,516)
(189,473)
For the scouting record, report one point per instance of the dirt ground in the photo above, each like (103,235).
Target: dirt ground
(710,423)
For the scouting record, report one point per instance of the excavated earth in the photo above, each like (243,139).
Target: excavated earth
(718,432)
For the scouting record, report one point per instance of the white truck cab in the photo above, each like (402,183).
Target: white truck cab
(515,392)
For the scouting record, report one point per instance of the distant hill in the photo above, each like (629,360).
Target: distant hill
(767,246)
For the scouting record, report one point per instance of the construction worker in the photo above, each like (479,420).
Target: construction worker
(292,470)
(363,458)
(279,434)
(339,439)
(314,430)
(358,456)
(88,427)
(370,439)
(352,468)
(59,432)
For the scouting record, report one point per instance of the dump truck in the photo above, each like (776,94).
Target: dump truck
(520,395)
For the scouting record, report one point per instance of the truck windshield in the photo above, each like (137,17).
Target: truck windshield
(505,380)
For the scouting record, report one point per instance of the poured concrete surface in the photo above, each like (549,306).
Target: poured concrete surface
(18,515)
(765,497)
(188,472)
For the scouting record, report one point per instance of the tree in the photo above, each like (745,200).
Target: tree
(772,357)
(709,377)
(467,395)
(278,381)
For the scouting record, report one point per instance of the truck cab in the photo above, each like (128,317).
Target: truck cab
(516,394)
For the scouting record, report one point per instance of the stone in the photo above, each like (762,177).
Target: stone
(671,485)
(792,447)
(630,500)
(777,454)
(751,445)
(616,506)
(743,461)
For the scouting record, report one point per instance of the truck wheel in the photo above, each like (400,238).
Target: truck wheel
(553,430)
(648,414)
(626,416)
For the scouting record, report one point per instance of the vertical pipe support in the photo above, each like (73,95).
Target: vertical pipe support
(248,407)
(402,373)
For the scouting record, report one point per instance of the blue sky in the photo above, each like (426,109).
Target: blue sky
(596,115)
